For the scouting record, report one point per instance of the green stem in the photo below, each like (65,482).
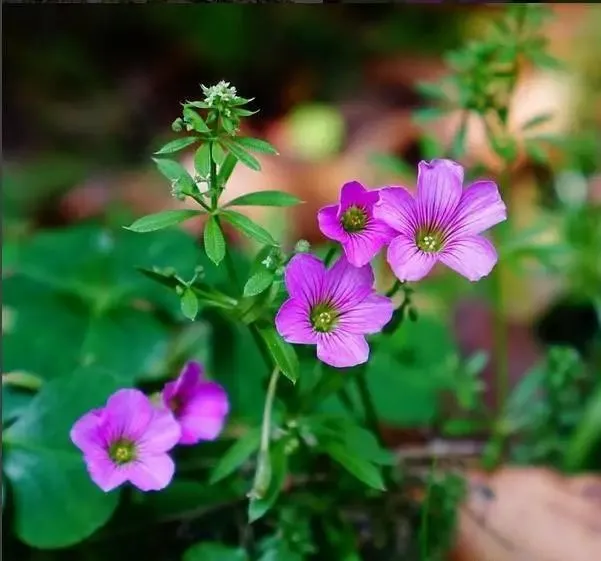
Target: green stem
(330,255)
(371,415)
(263,471)
(395,288)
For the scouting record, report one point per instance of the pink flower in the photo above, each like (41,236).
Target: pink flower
(442,223)
(199,405)
(333,309)
(127,440)
(353,224)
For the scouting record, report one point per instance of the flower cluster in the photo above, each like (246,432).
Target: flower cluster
(334,309)
(129,438)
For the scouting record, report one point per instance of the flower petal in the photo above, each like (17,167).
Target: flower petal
(439,189)
(329,223)
(346,285)
(185,384)
(203,418)
(152,473)
(480,208)
(407,261)
(293,324)
(105,473)
(127,413)
(87,432)
(342,349)
(396,208)
(304,277)
(370,316)
(361,247)
(353,193)
(162,433)
(471,256)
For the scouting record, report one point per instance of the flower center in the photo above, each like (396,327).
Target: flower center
(429,241)
(354,219)
(323,318)
(122,451)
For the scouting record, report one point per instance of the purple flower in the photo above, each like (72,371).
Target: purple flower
(442,223)
(352,223)
(199,405)
(127,440)
(332,309)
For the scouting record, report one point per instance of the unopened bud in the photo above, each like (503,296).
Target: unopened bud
(302,246)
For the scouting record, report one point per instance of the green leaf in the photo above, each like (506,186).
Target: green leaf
(218,154)
(536,121)
(214,241)
(195,120)
(189,304)
(257,508)
(236,455)
(256,145)
(536,152)
(202,160)
(419,350)
(226,169)
(586,436)
(160,220)
(431,90)
(259,282)
(355,465)
(242,155)
(248,227)
(229,125)
(176,174)
(265,198)
(283,353)
(14,402)
(352,436)
(56,504)
(214,551)
(79,336)
(177,145)
(427,114)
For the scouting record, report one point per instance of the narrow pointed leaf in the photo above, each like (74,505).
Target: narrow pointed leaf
(248,227)
(283,353)
(256,145)
(236,455)
(189,304)
(242,155)
(177,145)
(161,220)
(214,241)
(265,198)
(259,282)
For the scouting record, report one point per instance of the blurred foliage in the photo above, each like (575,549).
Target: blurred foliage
(82,314)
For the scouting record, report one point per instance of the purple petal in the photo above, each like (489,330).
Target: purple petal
(105,473)
(127,413)
(87,433)
(361,247)
(480,208)
(342,349)
(190,377)
(354,193)
(407,261)
(346,285)
(370,316)
(162,433)
(151,473)
(329,223)
(203,418)
(304,277)
(439,189)
(471,256)
(292,322)
(396,208)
